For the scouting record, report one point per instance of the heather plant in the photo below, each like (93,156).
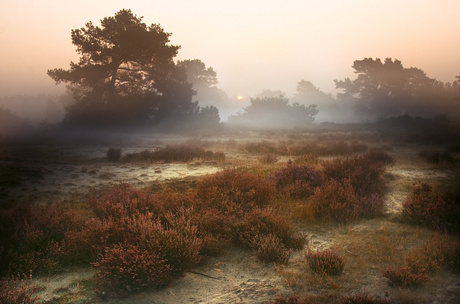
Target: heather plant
(292,299)
(262,147)
(325,262)
(362,298)
(297,181)
(261,222)
(18,290)
(426,207)
(338,202)
(436,157)
(124,268)
(234,190)
(268,159)
(175,153)
(405,277)
(269,248)
(113,154)
(365,172)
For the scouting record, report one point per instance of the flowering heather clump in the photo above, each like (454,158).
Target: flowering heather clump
(326,262)
(266,222)
(297,181)
(364,172)
(269,248)
(18,291)
(268,159)
(126,268)
(261,147)
(405,277)
(362,298)
(430,209)
(123,200)
(234,190)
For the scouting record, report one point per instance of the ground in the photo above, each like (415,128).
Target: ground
(53,172)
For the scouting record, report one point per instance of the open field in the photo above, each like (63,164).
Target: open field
(233,264)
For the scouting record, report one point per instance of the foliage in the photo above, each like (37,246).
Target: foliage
(114,154)
(385,89)
(175,153)
(297,181)
(325,262)
(18,291)
(362,298)
(125,268)
(292,299)
(365,172)
(337,201)
(274,112)
(268,159)
(405,277)
(234,190)
(428,208)
(436,157)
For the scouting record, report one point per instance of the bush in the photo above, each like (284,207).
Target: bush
(362,298)
(269,248)
(326,262)
(234,191)
(262,147)
(365,172)
(266,222)
(125,268)
(175,153)
(268,159)
(18,291)
(427,208)
(405,277)
(436,157)
(337,202)
(114,155)
(293,299)
(297,181)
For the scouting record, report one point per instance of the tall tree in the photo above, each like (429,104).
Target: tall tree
(123,70)
(388,89)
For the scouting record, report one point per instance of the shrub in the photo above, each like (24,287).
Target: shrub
(262,147)
(297,181)
(405,277)
(234,190)
(114,154)
(123,200)
(435,253)
(292,299)
(336,202)
(365,172)
(266,222)
(269,248)
(428,208)
(126,268)
(268,159)
(310,158)
(18,291)
(436,157)
(176,239)
(325,262)
(362,298)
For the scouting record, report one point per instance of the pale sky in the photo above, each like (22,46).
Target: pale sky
(252,45)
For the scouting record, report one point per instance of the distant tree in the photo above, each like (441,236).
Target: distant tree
(267,93)
(308,94)
(204,80)
(388,89)
(125,74)
(274,112)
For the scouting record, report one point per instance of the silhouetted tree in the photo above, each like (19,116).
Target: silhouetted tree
(274,112)
(389,89)
(204,80)
(125,74)
(308,94)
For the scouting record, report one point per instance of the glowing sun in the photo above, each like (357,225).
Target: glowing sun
(239,97)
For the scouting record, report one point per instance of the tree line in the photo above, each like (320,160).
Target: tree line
(126,77)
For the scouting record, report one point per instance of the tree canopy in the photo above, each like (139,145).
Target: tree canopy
(126,74)
(274,112)
(388,89)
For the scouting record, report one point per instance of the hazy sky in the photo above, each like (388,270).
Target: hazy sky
(252,45)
